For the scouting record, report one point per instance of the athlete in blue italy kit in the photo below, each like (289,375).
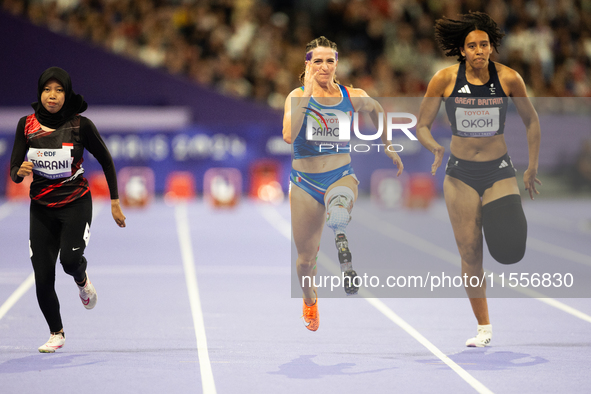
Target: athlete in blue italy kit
(323,185)
(480,188)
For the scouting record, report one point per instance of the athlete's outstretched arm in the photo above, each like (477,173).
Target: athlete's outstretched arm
(532,126)
(427,113)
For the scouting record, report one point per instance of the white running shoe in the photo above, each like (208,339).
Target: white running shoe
(56,341)
(483,337)
(88,294)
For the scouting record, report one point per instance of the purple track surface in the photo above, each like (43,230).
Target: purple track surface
(141,337)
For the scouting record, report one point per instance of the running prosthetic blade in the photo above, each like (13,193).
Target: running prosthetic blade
(346,265)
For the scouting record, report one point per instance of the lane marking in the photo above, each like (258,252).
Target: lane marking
(97,208)
(389,230)
(557,222)
(17,294)
(184,234)
(5,210)
(538,245)
(276,220)
(558,251)
(379,305)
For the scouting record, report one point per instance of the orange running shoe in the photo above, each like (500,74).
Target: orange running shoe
(310,316)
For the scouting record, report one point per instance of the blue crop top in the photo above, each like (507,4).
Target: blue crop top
(319,134)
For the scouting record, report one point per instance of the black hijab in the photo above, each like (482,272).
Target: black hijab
(73,104)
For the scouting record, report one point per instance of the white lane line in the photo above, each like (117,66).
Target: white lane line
(538,245)
(379,305)
(184,234)
(284,227)
(397,234)
(545,218)
(558,251)
(17,294)
(276,220)
(5,210)
(565,308)
(97,207)
(550,301)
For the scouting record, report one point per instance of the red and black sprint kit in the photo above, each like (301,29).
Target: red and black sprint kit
(57,157)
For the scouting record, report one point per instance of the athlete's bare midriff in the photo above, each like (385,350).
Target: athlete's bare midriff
(478,149)
(319,164)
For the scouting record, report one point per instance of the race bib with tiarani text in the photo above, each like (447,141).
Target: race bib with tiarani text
(52,163)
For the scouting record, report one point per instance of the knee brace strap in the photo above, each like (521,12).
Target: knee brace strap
(505,229)
(340,195)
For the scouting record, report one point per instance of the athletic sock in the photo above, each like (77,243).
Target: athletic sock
(83,283)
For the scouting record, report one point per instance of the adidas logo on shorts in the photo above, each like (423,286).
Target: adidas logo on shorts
(504,164)
(465,89)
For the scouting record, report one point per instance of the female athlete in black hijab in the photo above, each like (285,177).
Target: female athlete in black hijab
(50,144)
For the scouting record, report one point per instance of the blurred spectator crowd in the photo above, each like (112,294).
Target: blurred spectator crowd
(255,48)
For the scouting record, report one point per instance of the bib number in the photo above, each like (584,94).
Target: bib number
(52,163)
(323,130)
(477,122)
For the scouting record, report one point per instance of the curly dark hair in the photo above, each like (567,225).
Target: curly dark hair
(315,43)
(451,34)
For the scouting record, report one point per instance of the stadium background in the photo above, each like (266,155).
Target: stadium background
(193,85)
(219,71)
